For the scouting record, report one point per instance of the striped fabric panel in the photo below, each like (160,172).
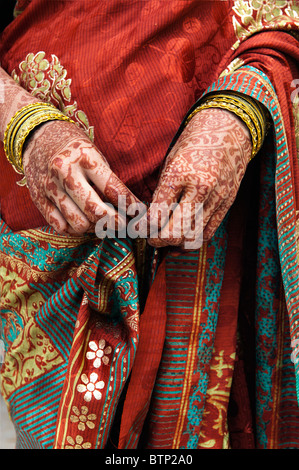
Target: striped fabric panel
(277,403)
(106,419)
(35,410)
(109,255)
(254,82)
(109,270)
(4,227)
(194,281)
(182,278)
(57,316)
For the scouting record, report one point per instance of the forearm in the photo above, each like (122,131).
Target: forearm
(12,98)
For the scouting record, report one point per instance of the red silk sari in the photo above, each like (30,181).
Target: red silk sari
(184,376)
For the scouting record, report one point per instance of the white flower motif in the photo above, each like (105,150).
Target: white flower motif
(98,353)
(90,387)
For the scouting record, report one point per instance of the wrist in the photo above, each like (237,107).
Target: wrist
(22,98)
(24,122)
(245,108)
(14,98)
(221,132)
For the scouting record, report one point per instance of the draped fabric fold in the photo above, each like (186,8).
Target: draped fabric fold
(75,325)
(147,361)
(216,330)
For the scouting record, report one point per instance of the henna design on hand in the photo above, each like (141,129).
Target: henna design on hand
(66,174)
(206,167)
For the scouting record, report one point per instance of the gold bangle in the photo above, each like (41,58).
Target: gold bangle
(21,124)
(241,114)
(247,109)
(252,107)
(13,126)
(11,136)
(234,105)
(32,122)
(10,129)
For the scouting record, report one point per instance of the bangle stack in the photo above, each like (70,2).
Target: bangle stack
(21,124)
(246,108)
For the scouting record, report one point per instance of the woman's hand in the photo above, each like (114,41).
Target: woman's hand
(69,179)
(201,177)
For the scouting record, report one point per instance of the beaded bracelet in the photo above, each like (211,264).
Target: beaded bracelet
(21,124)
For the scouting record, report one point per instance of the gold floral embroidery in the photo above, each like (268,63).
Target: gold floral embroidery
(216,401)
(77,444)
(47,80)
(83,418)
(221,365)
(32,353)
(255,15)
(133,321)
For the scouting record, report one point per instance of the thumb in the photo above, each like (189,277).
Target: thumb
(163,204)
(121,197)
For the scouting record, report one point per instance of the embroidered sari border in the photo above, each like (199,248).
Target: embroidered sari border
(249,80)
(192,349)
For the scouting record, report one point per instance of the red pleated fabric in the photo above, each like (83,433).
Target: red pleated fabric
(147,361)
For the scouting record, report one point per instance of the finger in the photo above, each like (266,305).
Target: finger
(211,205)
(86,208)
(186,218)
(53,216)
(216,219)
(172,231)
(70,211)
(89,202)
(185,226)
(160,210)
(117,193)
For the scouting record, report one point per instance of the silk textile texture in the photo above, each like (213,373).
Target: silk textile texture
(110,343)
